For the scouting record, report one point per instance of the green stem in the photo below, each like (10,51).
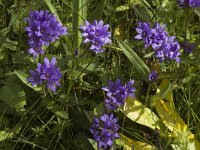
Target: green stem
(186,22)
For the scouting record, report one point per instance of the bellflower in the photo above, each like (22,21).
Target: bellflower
(43,28)
(47,74)
(144,33)
(153,76)
(189,3)
(105,130)
(116,93)
(164,46)
(96,34)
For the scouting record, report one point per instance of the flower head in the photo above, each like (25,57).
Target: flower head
(189,3)
(96,34)
(153,76)
(144,33)
(164,46)
(43,28)
(105,130)
(47,74)
(116,93)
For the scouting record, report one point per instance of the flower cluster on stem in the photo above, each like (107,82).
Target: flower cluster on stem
(105,130)
(116,93)
(96,34)
(43,28)
(47,74)
(164,46)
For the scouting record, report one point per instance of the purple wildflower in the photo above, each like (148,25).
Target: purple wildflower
(144,33)
(187,47)
(165,47)
(43,28)
(105,130)
(189,3)
(117,93)
(159,35)
(153,76)
(96,34)
(47,74)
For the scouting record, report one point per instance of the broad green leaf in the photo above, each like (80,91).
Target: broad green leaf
(13,95)
(137,62)
(130,144)
(23,77)
(139,113)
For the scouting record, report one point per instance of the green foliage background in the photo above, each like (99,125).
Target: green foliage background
(35,118)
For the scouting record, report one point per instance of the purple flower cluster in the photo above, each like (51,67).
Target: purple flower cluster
(117,93)
(43,28)
(105,130)
(47,74)
(189,3)
(96,34)
(164,46)
(153,76)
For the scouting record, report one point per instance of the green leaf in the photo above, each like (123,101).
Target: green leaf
(93,143)
(139,113)
(98,12)
(137,62)
(13,95)
(23,77)
(99,109)
(56,109)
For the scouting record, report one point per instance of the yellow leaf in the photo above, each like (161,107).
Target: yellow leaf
(139,113)
(166,111)
(129,144)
